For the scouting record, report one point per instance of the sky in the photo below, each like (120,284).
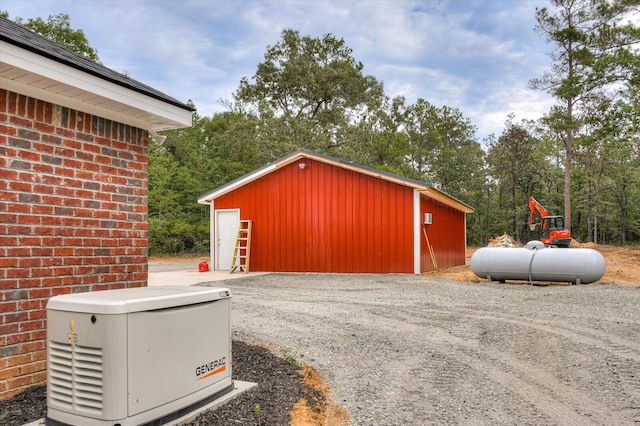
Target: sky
(476,56)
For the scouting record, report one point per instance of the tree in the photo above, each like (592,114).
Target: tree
(309,93)
(594,48)
(386,147)
(443,149)
(189,163)
(58,29)
(517,164)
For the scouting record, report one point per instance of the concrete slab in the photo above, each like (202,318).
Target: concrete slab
(238,387)
(192,276)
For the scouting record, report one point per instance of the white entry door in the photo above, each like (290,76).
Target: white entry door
(227,222)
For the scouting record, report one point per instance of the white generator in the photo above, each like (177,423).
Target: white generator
(137,356)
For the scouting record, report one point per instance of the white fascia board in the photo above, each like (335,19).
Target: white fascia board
(208,198)
(168,115)
(446,200)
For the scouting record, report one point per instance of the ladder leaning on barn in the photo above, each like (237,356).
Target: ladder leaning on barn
(242,250)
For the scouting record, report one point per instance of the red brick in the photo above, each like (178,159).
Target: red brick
(37,314)
(37,293)
(44,189)
(42,251)
(64,251)
(30,262)
(29,155)
(8,130)
(39,336)
(40,210)
(72,143)
(29,220)
(12,339)
(8,240)
(8,262)
(6,329)
(51,261)
(30,305)
(29,282)
(43,127)
(10,372)
(20,381)
(60,290)
(21,105)
(31,325)
(43,230)
(40,377)
(52,281)
(8,306)
(71,280)
(16,316)
(40,354)
(52,241)
(33,367)
(62,270)
(29,241)
(5,393)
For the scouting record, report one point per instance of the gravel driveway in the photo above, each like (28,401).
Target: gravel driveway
(405,349)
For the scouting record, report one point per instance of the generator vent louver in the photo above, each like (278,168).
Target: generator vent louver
(76,376)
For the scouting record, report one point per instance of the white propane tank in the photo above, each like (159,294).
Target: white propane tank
(536,262)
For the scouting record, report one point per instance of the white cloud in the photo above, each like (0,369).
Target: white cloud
(476,56)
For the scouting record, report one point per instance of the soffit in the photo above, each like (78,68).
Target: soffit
(31,74)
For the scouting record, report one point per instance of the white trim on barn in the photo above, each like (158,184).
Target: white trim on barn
(31,74)
(417,226)
(209,197)
(446,200)
(212,236)
(465,231)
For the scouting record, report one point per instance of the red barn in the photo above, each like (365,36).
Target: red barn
(315,213)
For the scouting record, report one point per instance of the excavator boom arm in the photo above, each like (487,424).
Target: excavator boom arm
(536,206)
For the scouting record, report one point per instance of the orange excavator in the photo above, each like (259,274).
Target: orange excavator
(553,231)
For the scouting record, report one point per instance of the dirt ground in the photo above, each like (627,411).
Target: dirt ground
(623,266)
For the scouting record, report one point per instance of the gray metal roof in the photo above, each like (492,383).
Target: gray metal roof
(22,37)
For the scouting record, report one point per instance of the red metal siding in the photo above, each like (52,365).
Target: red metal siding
(325,218)
(446,235)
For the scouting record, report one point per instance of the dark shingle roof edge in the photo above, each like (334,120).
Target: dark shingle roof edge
(22,37)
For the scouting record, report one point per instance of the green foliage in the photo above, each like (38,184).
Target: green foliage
(518,166)
(290,358)
(189,163)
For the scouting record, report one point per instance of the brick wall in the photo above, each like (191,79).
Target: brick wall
(73,218)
